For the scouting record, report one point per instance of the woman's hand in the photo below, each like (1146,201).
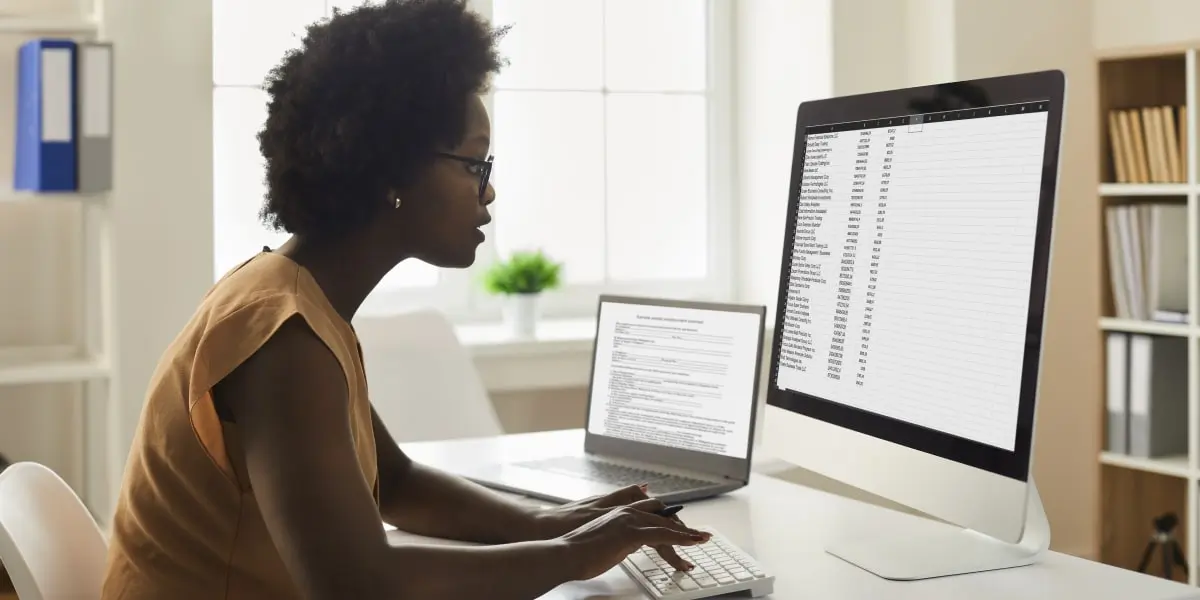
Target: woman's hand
(604,542)
(557,521)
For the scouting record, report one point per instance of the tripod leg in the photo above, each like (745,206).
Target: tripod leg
(1180,561)
(1146,557)
(1166,560)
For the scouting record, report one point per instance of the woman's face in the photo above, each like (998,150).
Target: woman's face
(444,211)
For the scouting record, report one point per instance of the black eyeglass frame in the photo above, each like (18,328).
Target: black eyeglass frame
(486,165)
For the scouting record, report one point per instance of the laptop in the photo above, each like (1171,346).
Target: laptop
(671,403)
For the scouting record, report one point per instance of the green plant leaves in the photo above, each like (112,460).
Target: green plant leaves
(523,273)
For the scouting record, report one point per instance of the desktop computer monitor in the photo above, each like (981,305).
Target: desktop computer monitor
(909,322)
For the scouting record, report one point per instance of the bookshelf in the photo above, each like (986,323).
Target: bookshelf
(89,362)
(1149,192)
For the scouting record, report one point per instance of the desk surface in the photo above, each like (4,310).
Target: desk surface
(786,525)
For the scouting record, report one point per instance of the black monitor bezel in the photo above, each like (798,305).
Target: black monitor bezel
(929,100)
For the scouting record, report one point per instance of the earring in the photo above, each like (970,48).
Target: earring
(397,201)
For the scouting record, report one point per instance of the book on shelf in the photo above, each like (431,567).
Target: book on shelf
(1148,144)
(1146,395)
(1147,260)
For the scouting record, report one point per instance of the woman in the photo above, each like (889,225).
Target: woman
(260,470)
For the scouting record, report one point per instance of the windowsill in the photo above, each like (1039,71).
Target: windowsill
(559,356)
(553,336)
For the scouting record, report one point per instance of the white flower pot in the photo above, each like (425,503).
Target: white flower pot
(520,314)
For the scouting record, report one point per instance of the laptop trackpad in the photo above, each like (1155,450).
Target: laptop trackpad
(539,484)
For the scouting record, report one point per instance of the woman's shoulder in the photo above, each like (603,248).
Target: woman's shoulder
(239,314)
(250,302)
(263,277)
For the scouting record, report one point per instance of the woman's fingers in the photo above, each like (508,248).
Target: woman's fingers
(667,536)
(626,495)
(668,554)
(649,505)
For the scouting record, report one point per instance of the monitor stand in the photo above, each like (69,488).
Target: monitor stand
(944,550)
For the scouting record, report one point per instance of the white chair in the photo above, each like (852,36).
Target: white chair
(49,543)
(423,381)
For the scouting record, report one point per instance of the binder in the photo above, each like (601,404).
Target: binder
(1128,226)
(95,107)
(1158,414)
(1166,264)
(1116,264)
(1117,425)
(45,157)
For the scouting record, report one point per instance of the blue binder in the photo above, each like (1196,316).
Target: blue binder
(46,129)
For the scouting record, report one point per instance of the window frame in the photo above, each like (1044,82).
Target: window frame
(579,300)
(458,293)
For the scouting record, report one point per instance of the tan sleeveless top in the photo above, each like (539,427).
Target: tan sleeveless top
(187,525)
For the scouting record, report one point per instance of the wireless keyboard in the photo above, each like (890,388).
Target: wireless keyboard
(721,568)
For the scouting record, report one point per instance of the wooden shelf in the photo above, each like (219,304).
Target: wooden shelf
(9,195)
(1148,327)
(59,371)
(99,456)
(49,364)
(1175,466)
(49,24)
(1144,189)
(1134,491)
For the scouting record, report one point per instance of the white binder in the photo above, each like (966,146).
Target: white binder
(95,110)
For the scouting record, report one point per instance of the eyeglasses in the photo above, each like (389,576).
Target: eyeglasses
(482,168)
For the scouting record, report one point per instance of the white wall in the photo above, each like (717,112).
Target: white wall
(163,182)
(1058,35)
(930,41)
(870,46)
(783,56)
(1144,23)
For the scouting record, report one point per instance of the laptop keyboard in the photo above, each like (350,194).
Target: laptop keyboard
(614,474)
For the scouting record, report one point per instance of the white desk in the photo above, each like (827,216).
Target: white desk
(785,526)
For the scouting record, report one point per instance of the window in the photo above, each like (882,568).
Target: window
(610,137)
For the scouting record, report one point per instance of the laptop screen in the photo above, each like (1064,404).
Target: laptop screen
(677,377)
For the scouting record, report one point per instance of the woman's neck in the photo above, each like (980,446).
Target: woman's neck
(347,270)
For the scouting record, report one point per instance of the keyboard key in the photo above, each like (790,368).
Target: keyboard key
(720,568)
(643,562)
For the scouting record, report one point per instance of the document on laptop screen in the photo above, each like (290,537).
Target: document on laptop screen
(678,377)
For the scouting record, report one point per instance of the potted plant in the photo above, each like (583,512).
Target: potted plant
(521,280)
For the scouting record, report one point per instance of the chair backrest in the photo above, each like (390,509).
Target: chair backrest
(423,381)
(49,543)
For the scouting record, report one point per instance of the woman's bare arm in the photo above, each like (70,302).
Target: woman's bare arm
(423,500)
(291,407)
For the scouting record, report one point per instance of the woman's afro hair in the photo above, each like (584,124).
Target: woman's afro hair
(362,106)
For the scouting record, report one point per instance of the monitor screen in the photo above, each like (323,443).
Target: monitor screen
(677,377)
(908,291)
